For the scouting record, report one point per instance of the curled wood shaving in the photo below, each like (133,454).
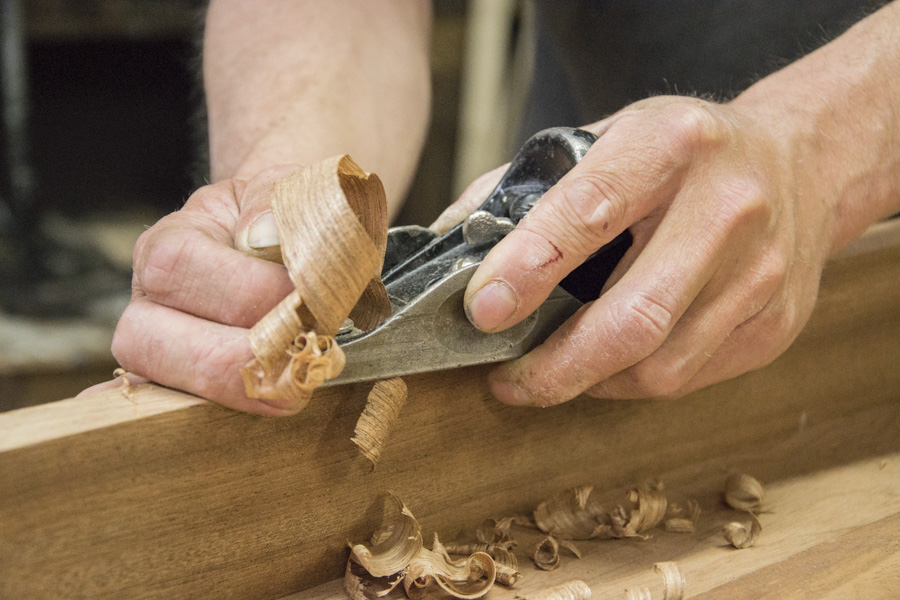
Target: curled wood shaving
(507,566)
(737,535)
(570,590)
(396,556)
(641,593)
(492,531)
(575,514)
(468,578)
(383,407)
(546,554)
(571,547)
(683,518)
(125,387)
(649,510)
(395,543)
(505,560)
(332,222)
(743,492)
(673,580)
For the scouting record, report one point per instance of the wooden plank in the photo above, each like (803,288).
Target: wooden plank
(815,543)
(165,494)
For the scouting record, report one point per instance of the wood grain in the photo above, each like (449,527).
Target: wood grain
(168,495)
(813,545)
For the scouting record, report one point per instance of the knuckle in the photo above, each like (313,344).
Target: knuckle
(656,378)
(743,202)
(209,362)
(649,318)
(694,127)
(160,261)
(590,207)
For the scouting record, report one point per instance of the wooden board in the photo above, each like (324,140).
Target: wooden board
(163,494)
(815,543)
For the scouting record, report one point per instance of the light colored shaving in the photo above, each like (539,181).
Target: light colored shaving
(125,387)
(641,593)
(570,546)
(683,518)
(743,492)
(574,514)
(382,411)
(570,590)
(649,510)
(737,535)
(546,554)
(673,580)
(397,557)
(332,223)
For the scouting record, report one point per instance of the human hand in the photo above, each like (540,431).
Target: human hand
(194,295)
(722,275)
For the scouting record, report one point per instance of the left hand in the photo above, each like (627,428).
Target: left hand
(722,276)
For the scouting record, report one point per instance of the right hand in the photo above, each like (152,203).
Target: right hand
(194,295)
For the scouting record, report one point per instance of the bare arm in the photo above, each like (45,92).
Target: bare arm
(297,81)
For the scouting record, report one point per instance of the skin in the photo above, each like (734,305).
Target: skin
(734,207)
(734,210)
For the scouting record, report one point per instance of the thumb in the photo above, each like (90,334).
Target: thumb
(469,200)
(255,232)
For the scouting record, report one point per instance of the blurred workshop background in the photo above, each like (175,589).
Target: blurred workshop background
(103,133)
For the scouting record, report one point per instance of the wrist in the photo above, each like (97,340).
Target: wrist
(832,113)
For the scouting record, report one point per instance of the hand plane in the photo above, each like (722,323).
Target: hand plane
(426,275)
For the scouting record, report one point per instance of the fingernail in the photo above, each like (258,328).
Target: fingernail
(263,233)
(509,393)
(492,305)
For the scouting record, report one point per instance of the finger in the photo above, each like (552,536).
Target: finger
(632,170)
(180,263)
(732,297)
(761,339)
(112,384)
(206,361)
(255,232)
(469,200)
(628,323)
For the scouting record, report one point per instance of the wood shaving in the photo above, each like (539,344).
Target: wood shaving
(648,512)
(673,580)
(505,560)
(574,514)
(492,531)
(683,518)
(331,205)
(382,411)
(570,546)
(737,535)
(743,492)
(570,590)
(641,593)
(578,514)
(398,557)
(546,554)
(125,387)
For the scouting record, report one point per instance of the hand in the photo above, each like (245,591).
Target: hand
(194,295)
(722,276)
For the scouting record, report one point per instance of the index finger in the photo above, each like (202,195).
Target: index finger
(629,172)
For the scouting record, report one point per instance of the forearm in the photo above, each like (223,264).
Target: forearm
(837,112)
(299,81)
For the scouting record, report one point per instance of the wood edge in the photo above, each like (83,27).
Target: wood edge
(37,424)
(879,236)
(45,422)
